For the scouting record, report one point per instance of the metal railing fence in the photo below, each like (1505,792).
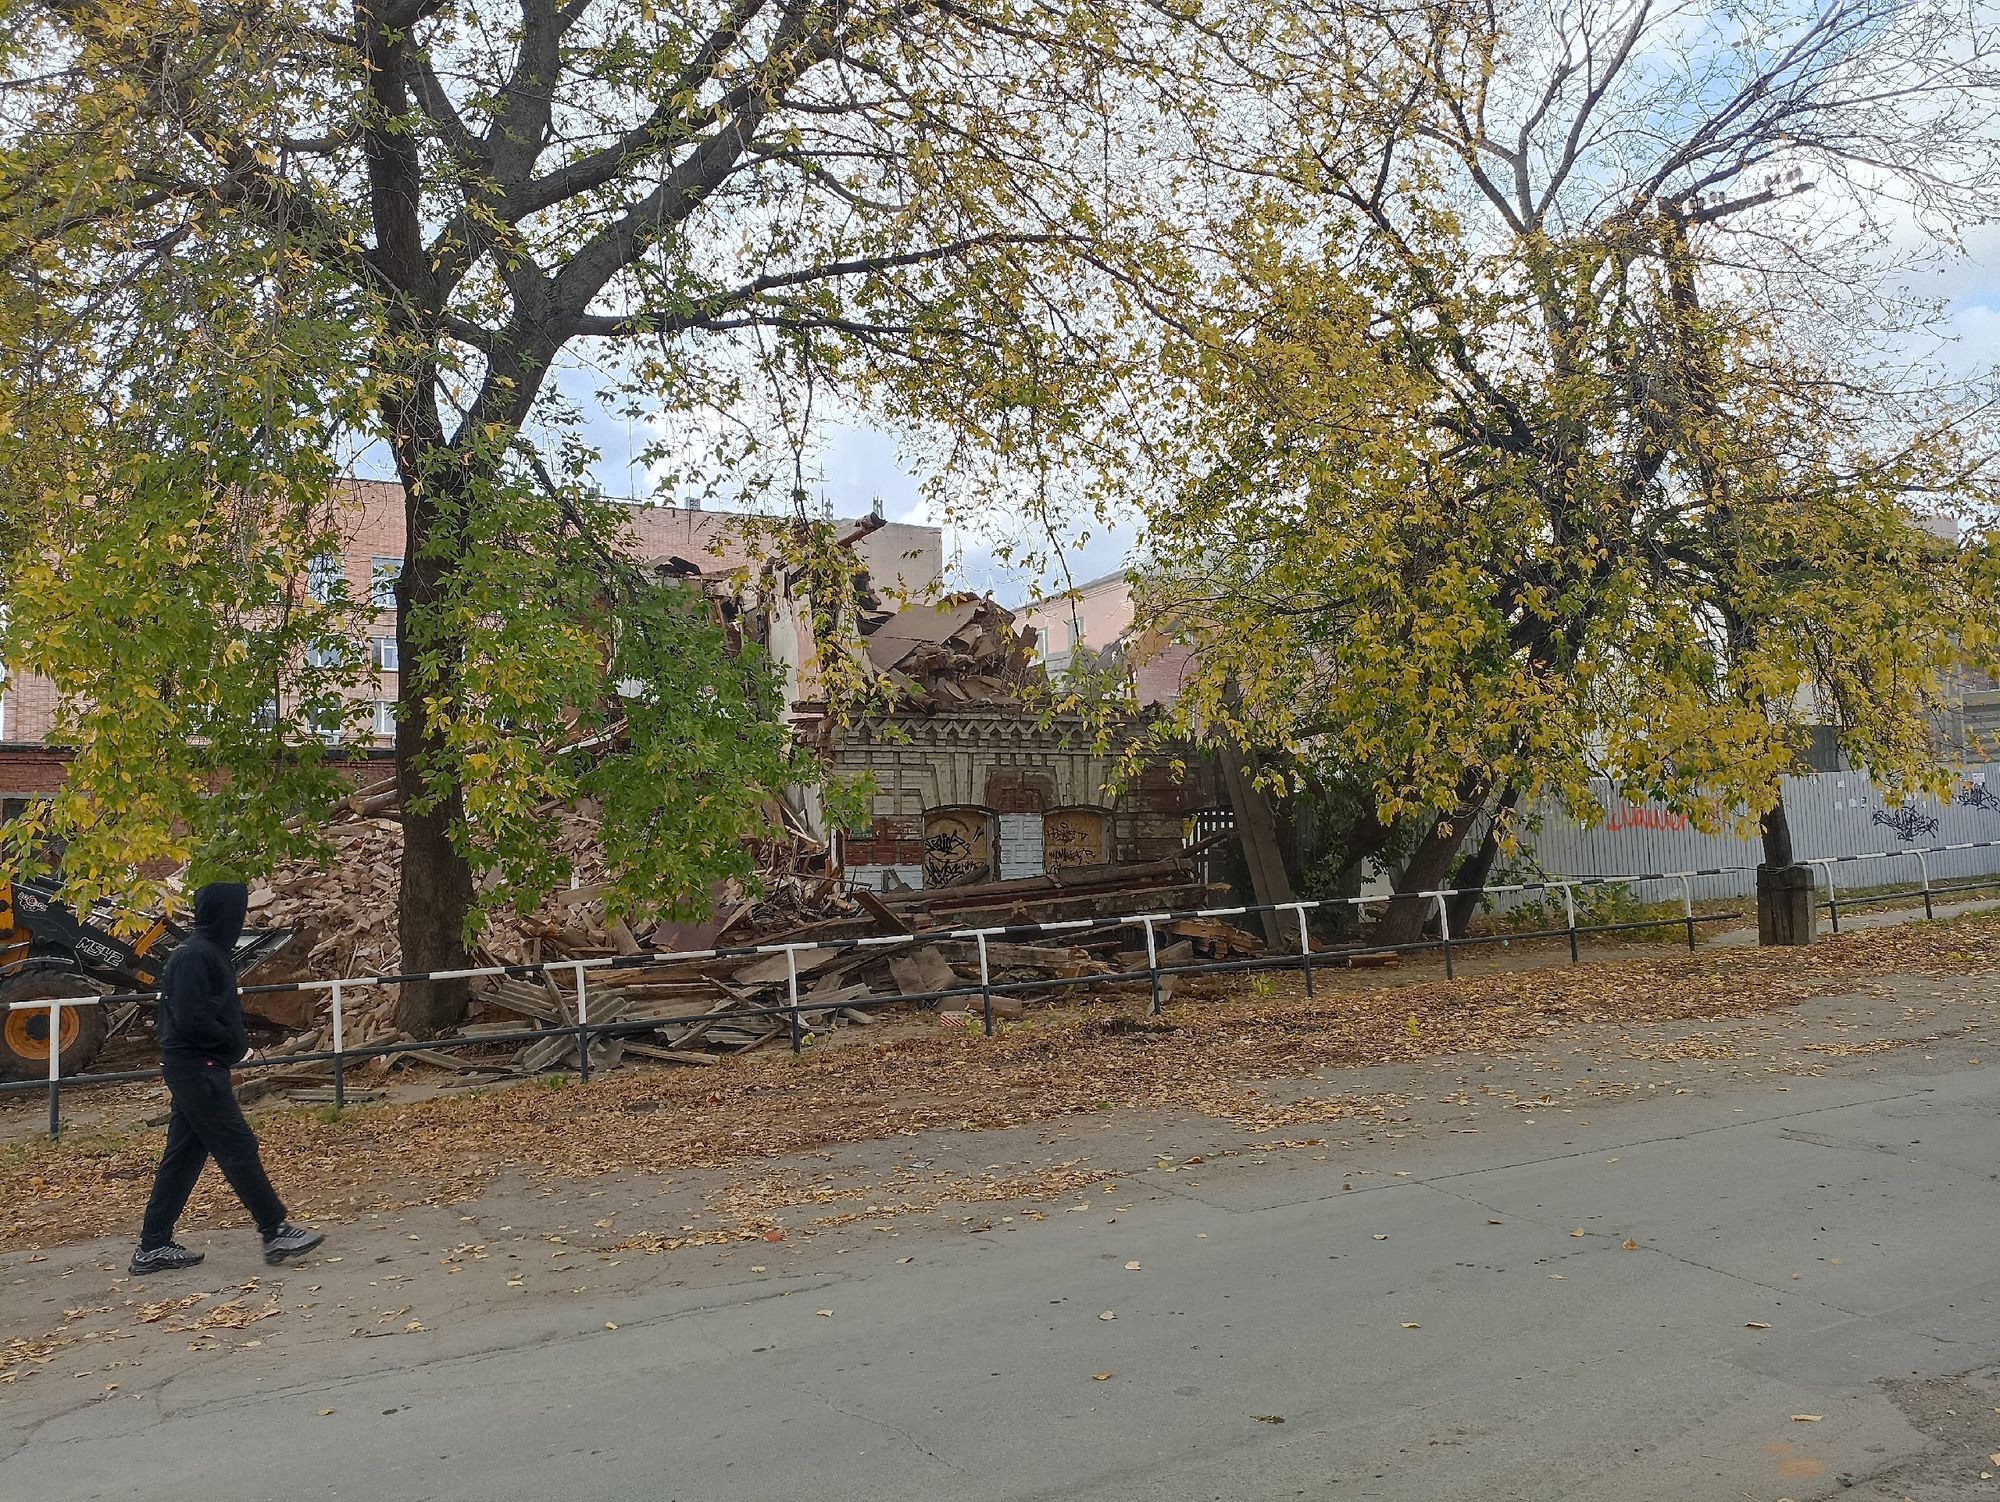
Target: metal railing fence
(797,1008)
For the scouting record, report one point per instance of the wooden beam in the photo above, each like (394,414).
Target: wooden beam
(1258,830)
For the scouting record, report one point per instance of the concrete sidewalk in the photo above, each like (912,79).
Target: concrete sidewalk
(1397,1306)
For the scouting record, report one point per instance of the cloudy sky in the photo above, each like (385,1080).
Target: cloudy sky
(860,465)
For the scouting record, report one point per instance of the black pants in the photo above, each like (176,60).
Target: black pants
(206,1123)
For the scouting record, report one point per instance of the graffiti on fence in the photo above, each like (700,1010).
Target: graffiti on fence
(1977,795)
(1910,823)
(1634,816)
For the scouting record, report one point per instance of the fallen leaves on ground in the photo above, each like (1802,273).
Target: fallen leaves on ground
(232,1315)
(1063,1061)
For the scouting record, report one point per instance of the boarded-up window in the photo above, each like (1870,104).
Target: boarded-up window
(1075,837)
(958,846)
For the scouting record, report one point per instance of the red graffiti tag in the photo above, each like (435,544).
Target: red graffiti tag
(1631,816)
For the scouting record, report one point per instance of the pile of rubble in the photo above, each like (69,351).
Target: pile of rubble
(695,1008)
(964,652)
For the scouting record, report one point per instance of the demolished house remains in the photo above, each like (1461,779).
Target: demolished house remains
(985,809)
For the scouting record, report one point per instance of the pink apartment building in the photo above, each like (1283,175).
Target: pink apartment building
(1098,614)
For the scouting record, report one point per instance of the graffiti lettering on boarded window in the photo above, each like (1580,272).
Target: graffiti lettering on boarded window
(1072,837)
(1632,816)
(958,847)
(1909,823)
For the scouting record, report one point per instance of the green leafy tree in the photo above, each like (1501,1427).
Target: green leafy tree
(1544,419)
(437,207)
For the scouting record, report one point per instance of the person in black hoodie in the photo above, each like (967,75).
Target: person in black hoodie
(201,1035)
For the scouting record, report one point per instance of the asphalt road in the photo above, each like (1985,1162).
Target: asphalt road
(1396,1314)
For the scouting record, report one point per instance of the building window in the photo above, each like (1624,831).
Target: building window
(382,653)
(382,576)
(1075,636)
(385,719)
(327,654)
(327,728)
(326,578)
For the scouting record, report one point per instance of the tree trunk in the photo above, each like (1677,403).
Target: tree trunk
(1776,831)
(432,901)
(1409,912)
(1475,870)
(436,890)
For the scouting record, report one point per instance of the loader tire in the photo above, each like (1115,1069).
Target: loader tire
(24,1034)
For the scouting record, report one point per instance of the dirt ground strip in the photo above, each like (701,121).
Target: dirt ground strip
(1207,1056)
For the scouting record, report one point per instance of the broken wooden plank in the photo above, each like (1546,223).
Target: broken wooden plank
(324,1095)
(1134,960)
(1226,938)
(678,973)
(670,1055)
(438,1059)
(1055,959)
(880,911)
(772,968)
(1077,881)
(829,997)
(768,1036)
(711,1018)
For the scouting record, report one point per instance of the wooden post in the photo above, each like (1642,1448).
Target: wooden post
(1258,830)
(1787,910)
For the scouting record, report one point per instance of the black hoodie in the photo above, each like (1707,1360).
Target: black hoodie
(201,1015)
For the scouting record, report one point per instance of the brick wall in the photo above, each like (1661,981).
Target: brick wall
(1010,764)
(31,771)
(28,709)
(36,771)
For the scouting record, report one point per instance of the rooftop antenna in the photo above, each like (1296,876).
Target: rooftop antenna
(631,458)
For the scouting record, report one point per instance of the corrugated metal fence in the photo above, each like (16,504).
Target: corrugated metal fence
(1831,814)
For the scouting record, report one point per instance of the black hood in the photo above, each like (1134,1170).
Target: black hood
(219,910)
